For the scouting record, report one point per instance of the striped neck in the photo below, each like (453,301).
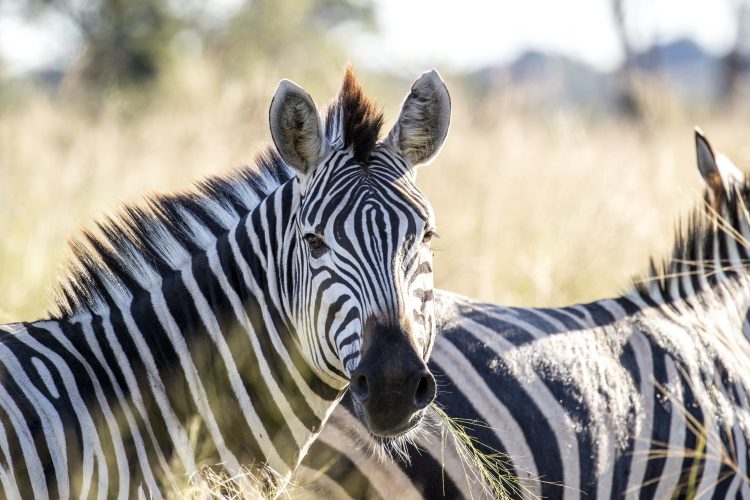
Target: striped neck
(203,360)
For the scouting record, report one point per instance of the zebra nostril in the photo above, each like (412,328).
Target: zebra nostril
(358,387)
(425,392)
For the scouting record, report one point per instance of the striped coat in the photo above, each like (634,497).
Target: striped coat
(644,395)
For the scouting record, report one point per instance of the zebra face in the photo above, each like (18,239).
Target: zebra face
(362,232)
(367,232)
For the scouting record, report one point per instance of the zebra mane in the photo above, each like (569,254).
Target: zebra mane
(700,248)
(353,120)
(135,247)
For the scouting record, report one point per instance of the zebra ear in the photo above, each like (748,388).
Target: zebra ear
(296,128)
(719,174)
(706,159)
(423,122)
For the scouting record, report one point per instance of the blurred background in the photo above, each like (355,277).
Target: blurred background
(570,156)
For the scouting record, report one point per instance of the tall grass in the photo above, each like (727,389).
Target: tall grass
(541,208)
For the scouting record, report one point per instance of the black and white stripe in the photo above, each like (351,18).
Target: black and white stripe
(646,395)
(205,331)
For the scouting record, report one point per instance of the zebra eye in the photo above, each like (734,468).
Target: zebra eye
(428,236)
(315,241)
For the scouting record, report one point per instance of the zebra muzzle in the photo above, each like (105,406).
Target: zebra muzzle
(392,385)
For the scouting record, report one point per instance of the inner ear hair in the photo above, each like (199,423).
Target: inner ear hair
(300,130)
(296,127)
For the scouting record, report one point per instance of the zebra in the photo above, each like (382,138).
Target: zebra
(643,395)
(238,313)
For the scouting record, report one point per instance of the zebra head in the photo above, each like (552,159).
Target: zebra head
(362,299)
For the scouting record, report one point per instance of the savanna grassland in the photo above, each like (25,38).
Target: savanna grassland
(534,208)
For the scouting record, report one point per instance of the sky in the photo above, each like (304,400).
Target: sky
(470,33)
(460,34)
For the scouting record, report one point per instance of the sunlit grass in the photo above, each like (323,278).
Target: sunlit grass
(547,208)
(213,482)
(533,209)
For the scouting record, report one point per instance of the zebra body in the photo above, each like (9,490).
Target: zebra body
(645,395)
(109,394)
(220,328)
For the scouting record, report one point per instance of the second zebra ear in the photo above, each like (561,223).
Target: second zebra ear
(706,159)
(296,128)
(423,123)
(719,174)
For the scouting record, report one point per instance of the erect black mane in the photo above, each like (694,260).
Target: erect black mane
(357,116)
(694,250)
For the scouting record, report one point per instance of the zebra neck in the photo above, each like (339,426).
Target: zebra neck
(203,366)
(229,359)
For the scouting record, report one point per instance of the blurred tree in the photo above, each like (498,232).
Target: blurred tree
(736,61)
(295,31)
(627,100)
(128,43)
(124,41)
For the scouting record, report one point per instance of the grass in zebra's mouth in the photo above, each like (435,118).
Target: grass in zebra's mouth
(481,465)
(489,468)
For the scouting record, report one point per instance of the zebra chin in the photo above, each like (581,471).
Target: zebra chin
(389,432)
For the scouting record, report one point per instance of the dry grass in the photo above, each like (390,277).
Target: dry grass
(489,469)
(533,209)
